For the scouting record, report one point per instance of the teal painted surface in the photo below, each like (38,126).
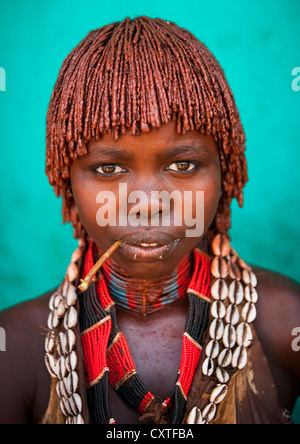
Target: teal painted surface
(257,43)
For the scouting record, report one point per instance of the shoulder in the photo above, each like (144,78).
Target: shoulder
(24,321)
(278,315)
(279,298)
(26,388)
(23,314)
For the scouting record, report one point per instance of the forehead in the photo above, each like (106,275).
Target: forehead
(163,142)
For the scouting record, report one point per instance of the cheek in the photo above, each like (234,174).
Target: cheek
(212,196)
(85,193)
(211,187)
(211,201)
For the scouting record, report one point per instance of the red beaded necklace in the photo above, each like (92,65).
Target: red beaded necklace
(143,296)
(107,358)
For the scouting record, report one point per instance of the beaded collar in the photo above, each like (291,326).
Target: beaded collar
(142,296)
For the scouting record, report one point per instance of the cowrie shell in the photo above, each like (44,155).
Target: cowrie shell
(71,297)
(225,358)
(219,267)
(253,279)
(234,271)
(195,416)
(67,407)
(75,403)
(81,243)
(78,420)
(63,389)
(216,329)
(61,309)
(232,314)
(64,288)
(71,318)
(229,336)
(76,255)
(59,394)
(246,276)
(249,312)
(71,340)
(49,344)
(212,349)
(71,407)
(218,310)
(236,293)
(50,320)
(208,367)
(239,358)
(51,365)
(218,394)
(51,301)
(53,320)
(62,343)
(57,300)
(209,412)
(249,278)
(219,290)
(71,361)
(71,383)
(251,294)
(222,375)
(220,245)
(72,272)
(62,407)
(244,334)
(78,402)
(61,367)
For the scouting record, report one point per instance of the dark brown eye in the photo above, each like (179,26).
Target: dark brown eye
(181,166)
(109,169)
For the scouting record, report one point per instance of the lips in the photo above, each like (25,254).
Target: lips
(148,247)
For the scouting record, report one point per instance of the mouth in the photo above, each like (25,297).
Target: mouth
(148,248)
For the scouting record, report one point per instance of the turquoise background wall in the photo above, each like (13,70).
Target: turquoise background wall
(258,44)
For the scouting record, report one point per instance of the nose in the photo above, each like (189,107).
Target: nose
(148,205)
(152,207)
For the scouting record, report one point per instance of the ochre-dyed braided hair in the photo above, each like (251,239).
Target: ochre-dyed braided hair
(134,76)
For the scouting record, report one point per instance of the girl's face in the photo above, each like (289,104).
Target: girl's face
(117,180)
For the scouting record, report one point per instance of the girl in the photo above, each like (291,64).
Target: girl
(170,327)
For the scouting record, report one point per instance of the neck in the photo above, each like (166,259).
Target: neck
(145,296)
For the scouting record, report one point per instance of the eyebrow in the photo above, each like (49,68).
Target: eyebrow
(121,153)
(186,149)
(111,153)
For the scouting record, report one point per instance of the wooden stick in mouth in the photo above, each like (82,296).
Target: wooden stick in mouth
(85,283)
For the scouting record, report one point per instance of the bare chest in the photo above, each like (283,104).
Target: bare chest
(155,343)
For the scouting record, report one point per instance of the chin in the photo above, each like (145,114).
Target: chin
(147,270)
